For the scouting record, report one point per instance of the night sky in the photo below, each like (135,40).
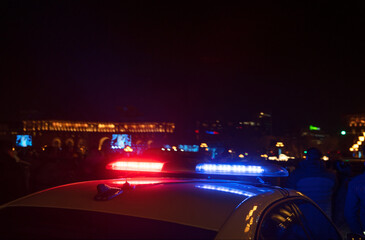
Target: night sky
(183,61)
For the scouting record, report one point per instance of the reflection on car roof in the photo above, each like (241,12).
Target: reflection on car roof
(200,203)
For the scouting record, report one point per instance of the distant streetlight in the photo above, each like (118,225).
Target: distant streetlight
(128,149)
(343,132)
(203,145)
(279,145)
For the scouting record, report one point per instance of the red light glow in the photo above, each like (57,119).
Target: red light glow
(135,166)
(137,182)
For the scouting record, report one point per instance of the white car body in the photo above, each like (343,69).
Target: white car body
(231,209)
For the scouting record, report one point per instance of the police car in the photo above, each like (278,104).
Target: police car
(157,200)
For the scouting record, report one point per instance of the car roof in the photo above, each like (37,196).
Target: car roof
(200,203)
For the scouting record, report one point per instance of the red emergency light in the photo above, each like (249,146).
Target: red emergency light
(135,166)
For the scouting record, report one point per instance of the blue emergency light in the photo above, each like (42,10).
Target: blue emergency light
(240,169)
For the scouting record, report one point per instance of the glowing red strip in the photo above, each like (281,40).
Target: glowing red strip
(136,166)
(137,182)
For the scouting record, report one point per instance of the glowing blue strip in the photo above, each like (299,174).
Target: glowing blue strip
(226,189)
(117,147)
(229,169)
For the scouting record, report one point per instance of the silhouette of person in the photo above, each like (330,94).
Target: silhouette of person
(338,215)
(314,180)
(93,164)
(355,205)
(12,176)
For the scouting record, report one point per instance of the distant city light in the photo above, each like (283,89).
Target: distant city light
(128,149)
(282,157)
(212,132)
(343,132)
(361,138)
(314,128)
(189,148)
(203,145)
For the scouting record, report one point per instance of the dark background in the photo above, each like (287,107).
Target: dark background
(183,61)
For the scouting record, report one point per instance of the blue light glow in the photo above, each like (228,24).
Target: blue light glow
(226,189)
(212,132)
(23,140)
(229,169)
(189,148)
(120,141)
(166,146)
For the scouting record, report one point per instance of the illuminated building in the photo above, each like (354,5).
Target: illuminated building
(98,127)
(83,134)
(265,120)
(314,136)
(244,136)
(356,125)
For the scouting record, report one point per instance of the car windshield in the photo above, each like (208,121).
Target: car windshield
(56,223)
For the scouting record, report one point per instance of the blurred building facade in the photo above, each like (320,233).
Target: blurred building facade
(248,136)
(356,135)
(83,135)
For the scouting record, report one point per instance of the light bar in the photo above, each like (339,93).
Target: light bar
(241,169)
(135,166)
